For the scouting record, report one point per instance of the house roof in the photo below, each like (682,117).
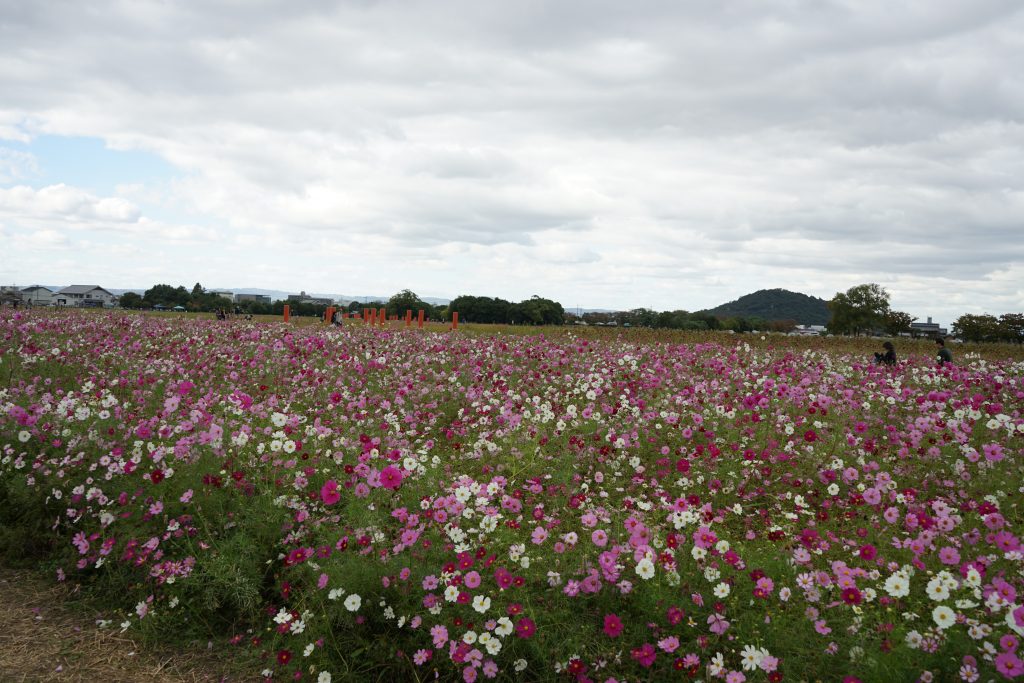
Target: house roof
(37,287)
(82,289)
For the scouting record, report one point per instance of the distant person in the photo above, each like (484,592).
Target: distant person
(220,314)
(887,358)
(338,319)
(944,354)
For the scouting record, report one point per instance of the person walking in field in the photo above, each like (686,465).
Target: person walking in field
(944,354)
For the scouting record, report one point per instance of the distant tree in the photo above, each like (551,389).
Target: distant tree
(131,300)
(405,300)
(1011,327)
(166,295)
(896,323)
(537,311)
(977,328)
(783,326)
(859,309)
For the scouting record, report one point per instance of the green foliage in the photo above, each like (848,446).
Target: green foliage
(537,311)
(24,533)
(407,300)
(859,310)
(896,323)
(132,300)
(977,328)
(1009,327)
(481,309)
(165,295)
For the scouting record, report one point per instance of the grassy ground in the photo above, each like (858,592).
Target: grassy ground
(49,633)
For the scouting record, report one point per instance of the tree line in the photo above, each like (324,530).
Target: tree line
(865,309)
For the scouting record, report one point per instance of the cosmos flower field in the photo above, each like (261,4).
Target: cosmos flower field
(372,504)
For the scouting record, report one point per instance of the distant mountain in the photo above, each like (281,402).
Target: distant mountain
(777,304)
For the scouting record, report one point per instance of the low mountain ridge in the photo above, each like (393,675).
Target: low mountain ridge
(777,304)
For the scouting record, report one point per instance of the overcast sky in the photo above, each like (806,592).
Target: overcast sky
(664,153)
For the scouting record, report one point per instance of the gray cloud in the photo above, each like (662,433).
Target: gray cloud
(656,150)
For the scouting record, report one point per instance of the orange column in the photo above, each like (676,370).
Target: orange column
(329,315)
(420,323)
(287,312)
(408,317)
(455,320)
(383,317)
(373,316)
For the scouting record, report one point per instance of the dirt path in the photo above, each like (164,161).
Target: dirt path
(43,639)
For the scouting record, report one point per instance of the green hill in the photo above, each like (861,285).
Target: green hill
(777,304)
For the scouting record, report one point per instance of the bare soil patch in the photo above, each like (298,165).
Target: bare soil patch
(45,635)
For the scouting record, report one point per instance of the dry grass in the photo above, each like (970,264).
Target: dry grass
(44,636)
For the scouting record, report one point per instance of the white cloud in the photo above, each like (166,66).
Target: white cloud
(657,153)
(72,206)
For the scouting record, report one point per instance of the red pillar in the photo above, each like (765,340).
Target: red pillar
(383,317)
(408,317)
(455,320)
(329,315)
(419,324)
(287,312)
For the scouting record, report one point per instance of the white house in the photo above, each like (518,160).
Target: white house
(37,295)
(84,296)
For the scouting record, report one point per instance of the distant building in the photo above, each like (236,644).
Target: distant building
(303,298)
(84,296)
(258,298)
(230,296)
(37,295)
(809,330)
(928,329)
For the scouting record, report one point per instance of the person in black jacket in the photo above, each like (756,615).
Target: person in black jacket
(887,358)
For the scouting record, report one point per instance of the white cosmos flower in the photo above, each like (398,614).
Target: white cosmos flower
(752,657)
(645,569)
(481,603)
(937,590)
(504,627)
(897,585)
(943,617)
(353,602)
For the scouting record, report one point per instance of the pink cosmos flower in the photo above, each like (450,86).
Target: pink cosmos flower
(949,555)
(644,655)
(718,624)
(329,493)
(612,625)
(525,628)
(670,644)
(391,477)
(1009,664)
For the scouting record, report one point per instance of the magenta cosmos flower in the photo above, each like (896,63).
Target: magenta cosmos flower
(612,625)
(391,477)
(329,493)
